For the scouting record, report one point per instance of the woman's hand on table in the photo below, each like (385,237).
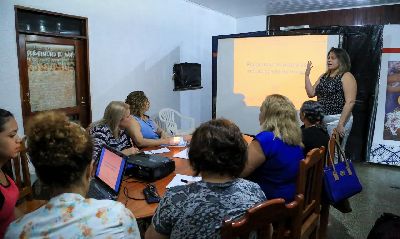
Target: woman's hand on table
(187,138)
(130,151)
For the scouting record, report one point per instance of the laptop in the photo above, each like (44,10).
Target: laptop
(109,174)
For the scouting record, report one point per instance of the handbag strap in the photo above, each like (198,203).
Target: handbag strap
(329,158)
(343,155)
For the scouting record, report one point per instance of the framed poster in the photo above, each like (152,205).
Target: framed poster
(51,74)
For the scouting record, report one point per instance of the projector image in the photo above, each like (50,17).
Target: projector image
(149,167)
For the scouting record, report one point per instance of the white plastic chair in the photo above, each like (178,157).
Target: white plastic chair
(167,118)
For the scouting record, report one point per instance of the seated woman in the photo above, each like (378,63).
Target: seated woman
(143,130)
(111,130)
(61,152)
(10,144)
(275,153)
(218,153)
(314,133)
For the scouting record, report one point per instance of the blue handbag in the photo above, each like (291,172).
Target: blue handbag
(340,179)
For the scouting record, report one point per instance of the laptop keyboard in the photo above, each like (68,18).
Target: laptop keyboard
(96,193)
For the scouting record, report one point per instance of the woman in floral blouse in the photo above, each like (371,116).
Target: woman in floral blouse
(61,152)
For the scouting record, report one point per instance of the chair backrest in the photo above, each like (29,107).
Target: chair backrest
(309,181)
(167,117)
(258,220)
(170,123)
(21,173)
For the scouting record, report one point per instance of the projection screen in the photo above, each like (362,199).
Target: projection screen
(250,68)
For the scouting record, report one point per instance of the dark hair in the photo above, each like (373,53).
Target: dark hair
(312,111)
(217,146)
(136,101)
(344,59)
(59,149)
(5,115)
(386,227)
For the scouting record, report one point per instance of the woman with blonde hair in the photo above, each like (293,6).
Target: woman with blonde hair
(111,130)
(275,153)
(143,130)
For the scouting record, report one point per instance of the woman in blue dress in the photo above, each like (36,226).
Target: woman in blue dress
(275,153)
(143,130)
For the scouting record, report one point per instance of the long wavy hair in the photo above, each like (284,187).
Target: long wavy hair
(278,115)
(113,115)
(137,102)
(344,60)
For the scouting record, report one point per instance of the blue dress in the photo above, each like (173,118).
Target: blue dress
(278,174)
(148,128)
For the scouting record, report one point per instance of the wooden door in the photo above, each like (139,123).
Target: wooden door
(53,76)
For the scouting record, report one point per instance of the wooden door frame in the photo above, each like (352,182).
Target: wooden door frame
(83,73)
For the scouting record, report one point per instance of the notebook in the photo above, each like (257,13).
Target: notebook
(109,173)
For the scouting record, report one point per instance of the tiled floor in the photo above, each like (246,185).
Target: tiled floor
(381,193)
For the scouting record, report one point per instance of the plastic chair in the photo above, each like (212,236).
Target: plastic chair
(258,220)
(309,183)
(170,119)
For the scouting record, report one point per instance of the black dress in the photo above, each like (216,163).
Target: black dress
(314,137)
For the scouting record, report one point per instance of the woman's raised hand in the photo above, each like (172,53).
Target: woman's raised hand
(308,69)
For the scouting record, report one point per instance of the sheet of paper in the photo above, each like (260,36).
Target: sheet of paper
(182,154)
(181,179)
(160,151)
(178,142)
(157,151)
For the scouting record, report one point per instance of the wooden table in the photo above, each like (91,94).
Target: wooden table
(140,208)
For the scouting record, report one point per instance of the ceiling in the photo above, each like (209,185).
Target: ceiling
(250,8)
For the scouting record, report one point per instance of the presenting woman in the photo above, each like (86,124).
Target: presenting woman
(336,91)
(143,130)
(10,144)
(275,153)
(111,130)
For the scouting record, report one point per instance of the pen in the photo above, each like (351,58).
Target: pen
(184,181)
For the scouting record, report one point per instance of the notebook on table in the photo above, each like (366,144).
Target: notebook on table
(109,174)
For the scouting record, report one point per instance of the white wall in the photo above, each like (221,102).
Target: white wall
(251,24)
(132,46)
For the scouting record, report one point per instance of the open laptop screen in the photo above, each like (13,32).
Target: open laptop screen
(110,168)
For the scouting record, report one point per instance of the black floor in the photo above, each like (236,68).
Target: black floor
(381,193)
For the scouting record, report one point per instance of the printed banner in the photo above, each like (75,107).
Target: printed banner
(385,146)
